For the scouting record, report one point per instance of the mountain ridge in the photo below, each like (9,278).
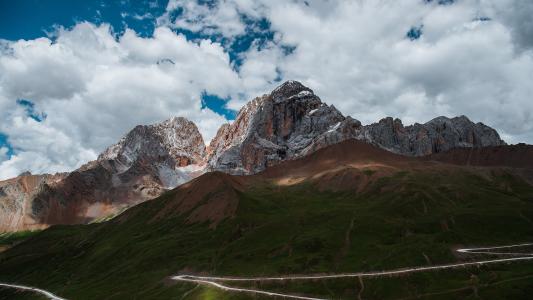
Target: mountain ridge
(345,208)
(288,123)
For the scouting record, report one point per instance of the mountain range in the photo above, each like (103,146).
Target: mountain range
(289,123)
(290,188)
(346,208)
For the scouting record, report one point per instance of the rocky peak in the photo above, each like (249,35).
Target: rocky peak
(285,124)
(176,140)
(289,89)
(15,198)
(438,135)
(170,153)
(25,173)
(146,162)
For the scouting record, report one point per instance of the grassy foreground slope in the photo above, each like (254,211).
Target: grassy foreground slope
(347,208)
(10,239)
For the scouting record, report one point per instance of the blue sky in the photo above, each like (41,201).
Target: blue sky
(30,19)
(75,76)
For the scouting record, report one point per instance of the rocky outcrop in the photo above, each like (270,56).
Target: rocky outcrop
(15,200)
(292,121)
(438,135)
(172,150)
(288,123)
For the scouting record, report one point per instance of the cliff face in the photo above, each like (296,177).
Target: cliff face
(438,135)
(15,200)
(292,121)
(288,123)
(170,151)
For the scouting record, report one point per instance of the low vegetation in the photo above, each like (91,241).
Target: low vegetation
(411,218)
(9,239)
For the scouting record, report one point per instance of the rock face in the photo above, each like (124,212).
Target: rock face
(292,121)
(438,135)
(173,150)
(288,123)
(15,200)
(142,165)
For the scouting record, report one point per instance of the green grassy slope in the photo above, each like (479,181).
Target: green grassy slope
(8,294)
(10,239)
(408,218)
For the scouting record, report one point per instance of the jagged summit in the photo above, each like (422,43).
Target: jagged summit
(437,135)
(292,121)
(290,90)
(176,139)
(289,122)
(442,119)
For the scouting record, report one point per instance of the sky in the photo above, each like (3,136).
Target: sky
(75,76)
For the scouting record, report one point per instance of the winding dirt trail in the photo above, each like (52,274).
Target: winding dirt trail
(216,281)
(32,289)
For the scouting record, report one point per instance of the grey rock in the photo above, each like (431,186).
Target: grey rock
(288,123)
(438,135)
(292,121)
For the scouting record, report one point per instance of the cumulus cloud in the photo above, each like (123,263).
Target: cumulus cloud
(517,16)
(94,88)
(209,18)
(45,149)
(3,154)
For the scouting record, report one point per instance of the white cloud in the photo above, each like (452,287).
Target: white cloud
(3,154)
(223,17)
(45,149)
(94,88)
(517,16)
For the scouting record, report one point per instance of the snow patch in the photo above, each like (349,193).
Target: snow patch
(335,127)
(301,95)
(304,93)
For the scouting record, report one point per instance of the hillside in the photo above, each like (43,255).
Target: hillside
(349,207)
(515,156)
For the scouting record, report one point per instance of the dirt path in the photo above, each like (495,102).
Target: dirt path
(346,246)
(32,289)
(215,281)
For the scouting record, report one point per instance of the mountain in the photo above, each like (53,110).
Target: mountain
(142,165)
(172,150)
(288,123)
(438,135)
(16,195)
(347,207)
(515,156)
(292,121)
